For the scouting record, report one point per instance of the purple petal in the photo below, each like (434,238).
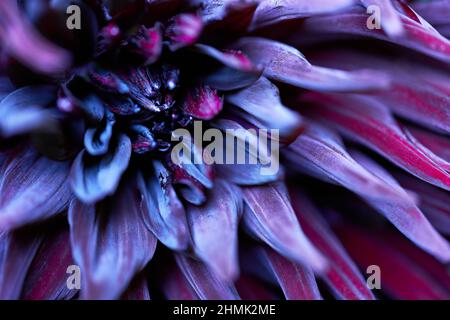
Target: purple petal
(237,70)
(263,108)
(175,286)
(296,281)
(406,216)
(343,277)
(286,64)
(24,110)
(147,43)
(47,277)
(320,152)
(27,45)
(247,173)
(93,179)
(162,211)
(202,102)
(418,35)
(110,243)
(270,217)
(391,21)
(205,284)
(214,228)
(96,140)
(33,188)
(274,11)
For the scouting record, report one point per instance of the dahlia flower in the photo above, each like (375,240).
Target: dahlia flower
(88,113)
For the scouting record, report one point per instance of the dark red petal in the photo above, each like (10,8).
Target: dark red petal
(147,43)
(23,110)
(110,243)
(175,286)
(33,188)
(24,42)
(162,211)
(92,179)
(47,277)
(296,281)
(270,217)
(400,276)
(286,64)
(214,229)
(17,251)
(252,289)
(205,284)
(366,121)
(343,277)
(202,102)
(263,108)
(138,289)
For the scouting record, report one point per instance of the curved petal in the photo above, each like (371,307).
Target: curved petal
(163,213)
(33,188)
(205,284)
(343,276)
(23,110)
(110,243)
(92,179)
(263,108)
(286,64)
(366,121)
(214,228)
(270,217)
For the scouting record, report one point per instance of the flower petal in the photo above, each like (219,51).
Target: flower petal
(47,277)
(402,278)
(110,243)
(286,64)
(214,228)
(274,11)
(33,188)
(406,216)
(263,108)
(92,179)
(320,152)
(163,213)
(366,121)
(23,110)
(24,42)
(17,250)
(202,102)
(296,281)
(391,21)
(205,284)
(343,277)
(270,217)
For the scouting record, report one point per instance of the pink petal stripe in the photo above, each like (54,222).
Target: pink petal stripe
(343,277)
(391,18)
(366,121)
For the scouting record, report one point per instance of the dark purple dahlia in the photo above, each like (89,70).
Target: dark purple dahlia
(94,91)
